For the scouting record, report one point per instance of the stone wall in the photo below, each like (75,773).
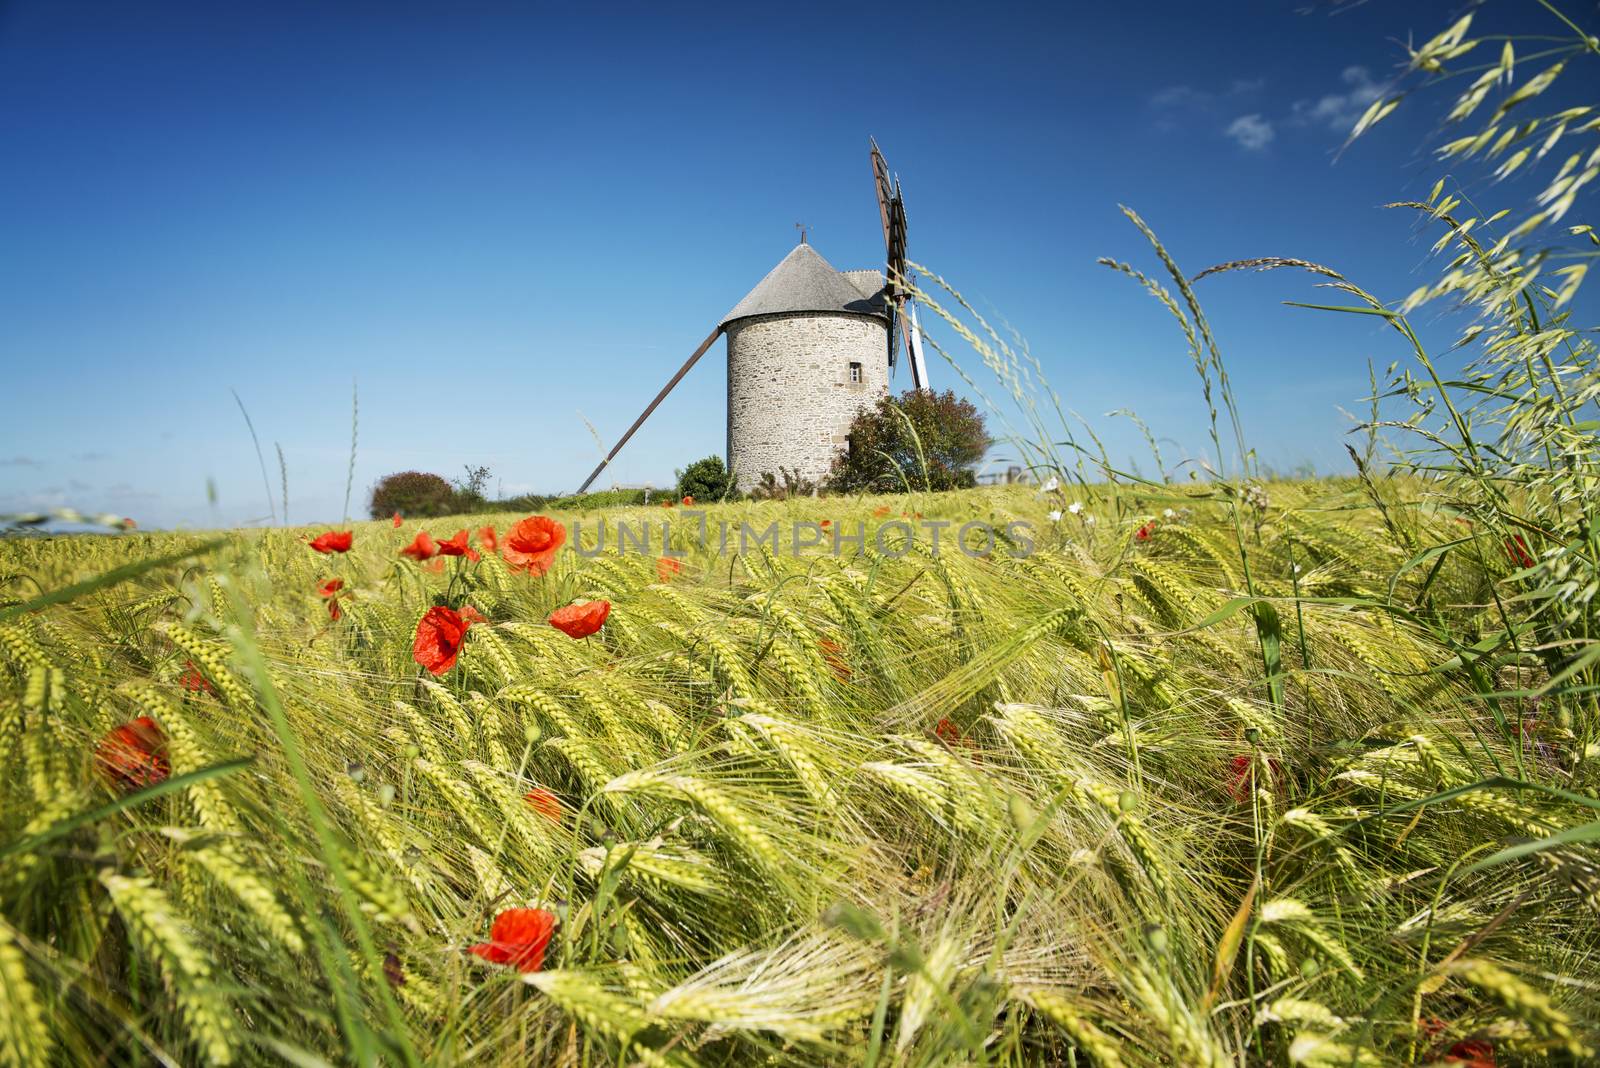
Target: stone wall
(790,398)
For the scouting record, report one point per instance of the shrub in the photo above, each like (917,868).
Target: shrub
(923,440)
(415,494)
(782,486)
(707,481)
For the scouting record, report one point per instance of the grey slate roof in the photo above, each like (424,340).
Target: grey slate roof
(804,282)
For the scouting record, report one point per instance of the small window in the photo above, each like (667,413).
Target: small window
(855,373)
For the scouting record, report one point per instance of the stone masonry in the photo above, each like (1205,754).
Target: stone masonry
(790,394)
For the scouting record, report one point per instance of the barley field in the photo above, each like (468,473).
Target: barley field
(872,807)
(1196,768)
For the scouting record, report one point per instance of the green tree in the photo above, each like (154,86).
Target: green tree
(706,481)
(920,440)
(414,494)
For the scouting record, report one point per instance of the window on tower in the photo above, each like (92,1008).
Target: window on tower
(855,373)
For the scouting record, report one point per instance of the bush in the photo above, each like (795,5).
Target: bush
(707,481)
(884,457)
(414,494)
(782,486)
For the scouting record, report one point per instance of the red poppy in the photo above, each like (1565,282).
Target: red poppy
(421,547)
(519,938)
(688,501)
(333,541)
(1517,549)
(193,681)
(397,519)
(134,755)
(826,523)
(436,565)
(1144,532)
(440,633)
(532,543)
(881,511)
(1242,775)
(545,803)
(1472,1053)
(666,504)
(486,538)
(330,590)
(947,732)
(472,615)
(457,546)
(580,620)
(833,656)
(666,567)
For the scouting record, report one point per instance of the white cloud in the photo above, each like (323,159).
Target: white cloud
(1251,131)
(1339,111)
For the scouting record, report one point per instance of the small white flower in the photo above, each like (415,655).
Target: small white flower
(1297,569)
(1055,516)
(1169,513)
(1089,519)
(1051,486)
(1075,507)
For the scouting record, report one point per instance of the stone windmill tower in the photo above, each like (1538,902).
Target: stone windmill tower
(808,348)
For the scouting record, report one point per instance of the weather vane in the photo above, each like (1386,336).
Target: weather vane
(802,227)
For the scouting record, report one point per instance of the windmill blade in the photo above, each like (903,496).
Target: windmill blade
(637,423)
(919,367)
(884,189)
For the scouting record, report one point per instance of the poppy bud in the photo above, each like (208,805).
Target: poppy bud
(1022,813)
(1128,801)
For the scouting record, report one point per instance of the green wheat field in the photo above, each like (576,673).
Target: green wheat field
(1220,769)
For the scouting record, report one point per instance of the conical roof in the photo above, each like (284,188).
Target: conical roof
(803,282)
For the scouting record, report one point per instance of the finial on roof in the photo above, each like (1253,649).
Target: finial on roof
(802,227)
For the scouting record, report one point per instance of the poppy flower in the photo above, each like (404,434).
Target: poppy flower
(193,681)
(330,590)
(688,501)
(545,803)
(472,615)
(134,754)
(518,938)
(1472,1053)
(666,567)
(833,656)
(397,519)
(580,620)
(440,633)
(666,504)
(1144,532)
(1517,549)
(486,538)
(435,566)
(531,544)
(947,732)
(457,546)
(826,523)
(333,541)
(881,511)
(421,547)
(1242,775)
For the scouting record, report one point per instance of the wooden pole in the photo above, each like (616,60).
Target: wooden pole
(690,362)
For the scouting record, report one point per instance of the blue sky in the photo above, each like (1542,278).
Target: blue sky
(497,217)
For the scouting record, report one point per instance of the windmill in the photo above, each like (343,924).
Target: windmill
(808,347)
(892,211)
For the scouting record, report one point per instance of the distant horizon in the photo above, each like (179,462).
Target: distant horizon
(508,229)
